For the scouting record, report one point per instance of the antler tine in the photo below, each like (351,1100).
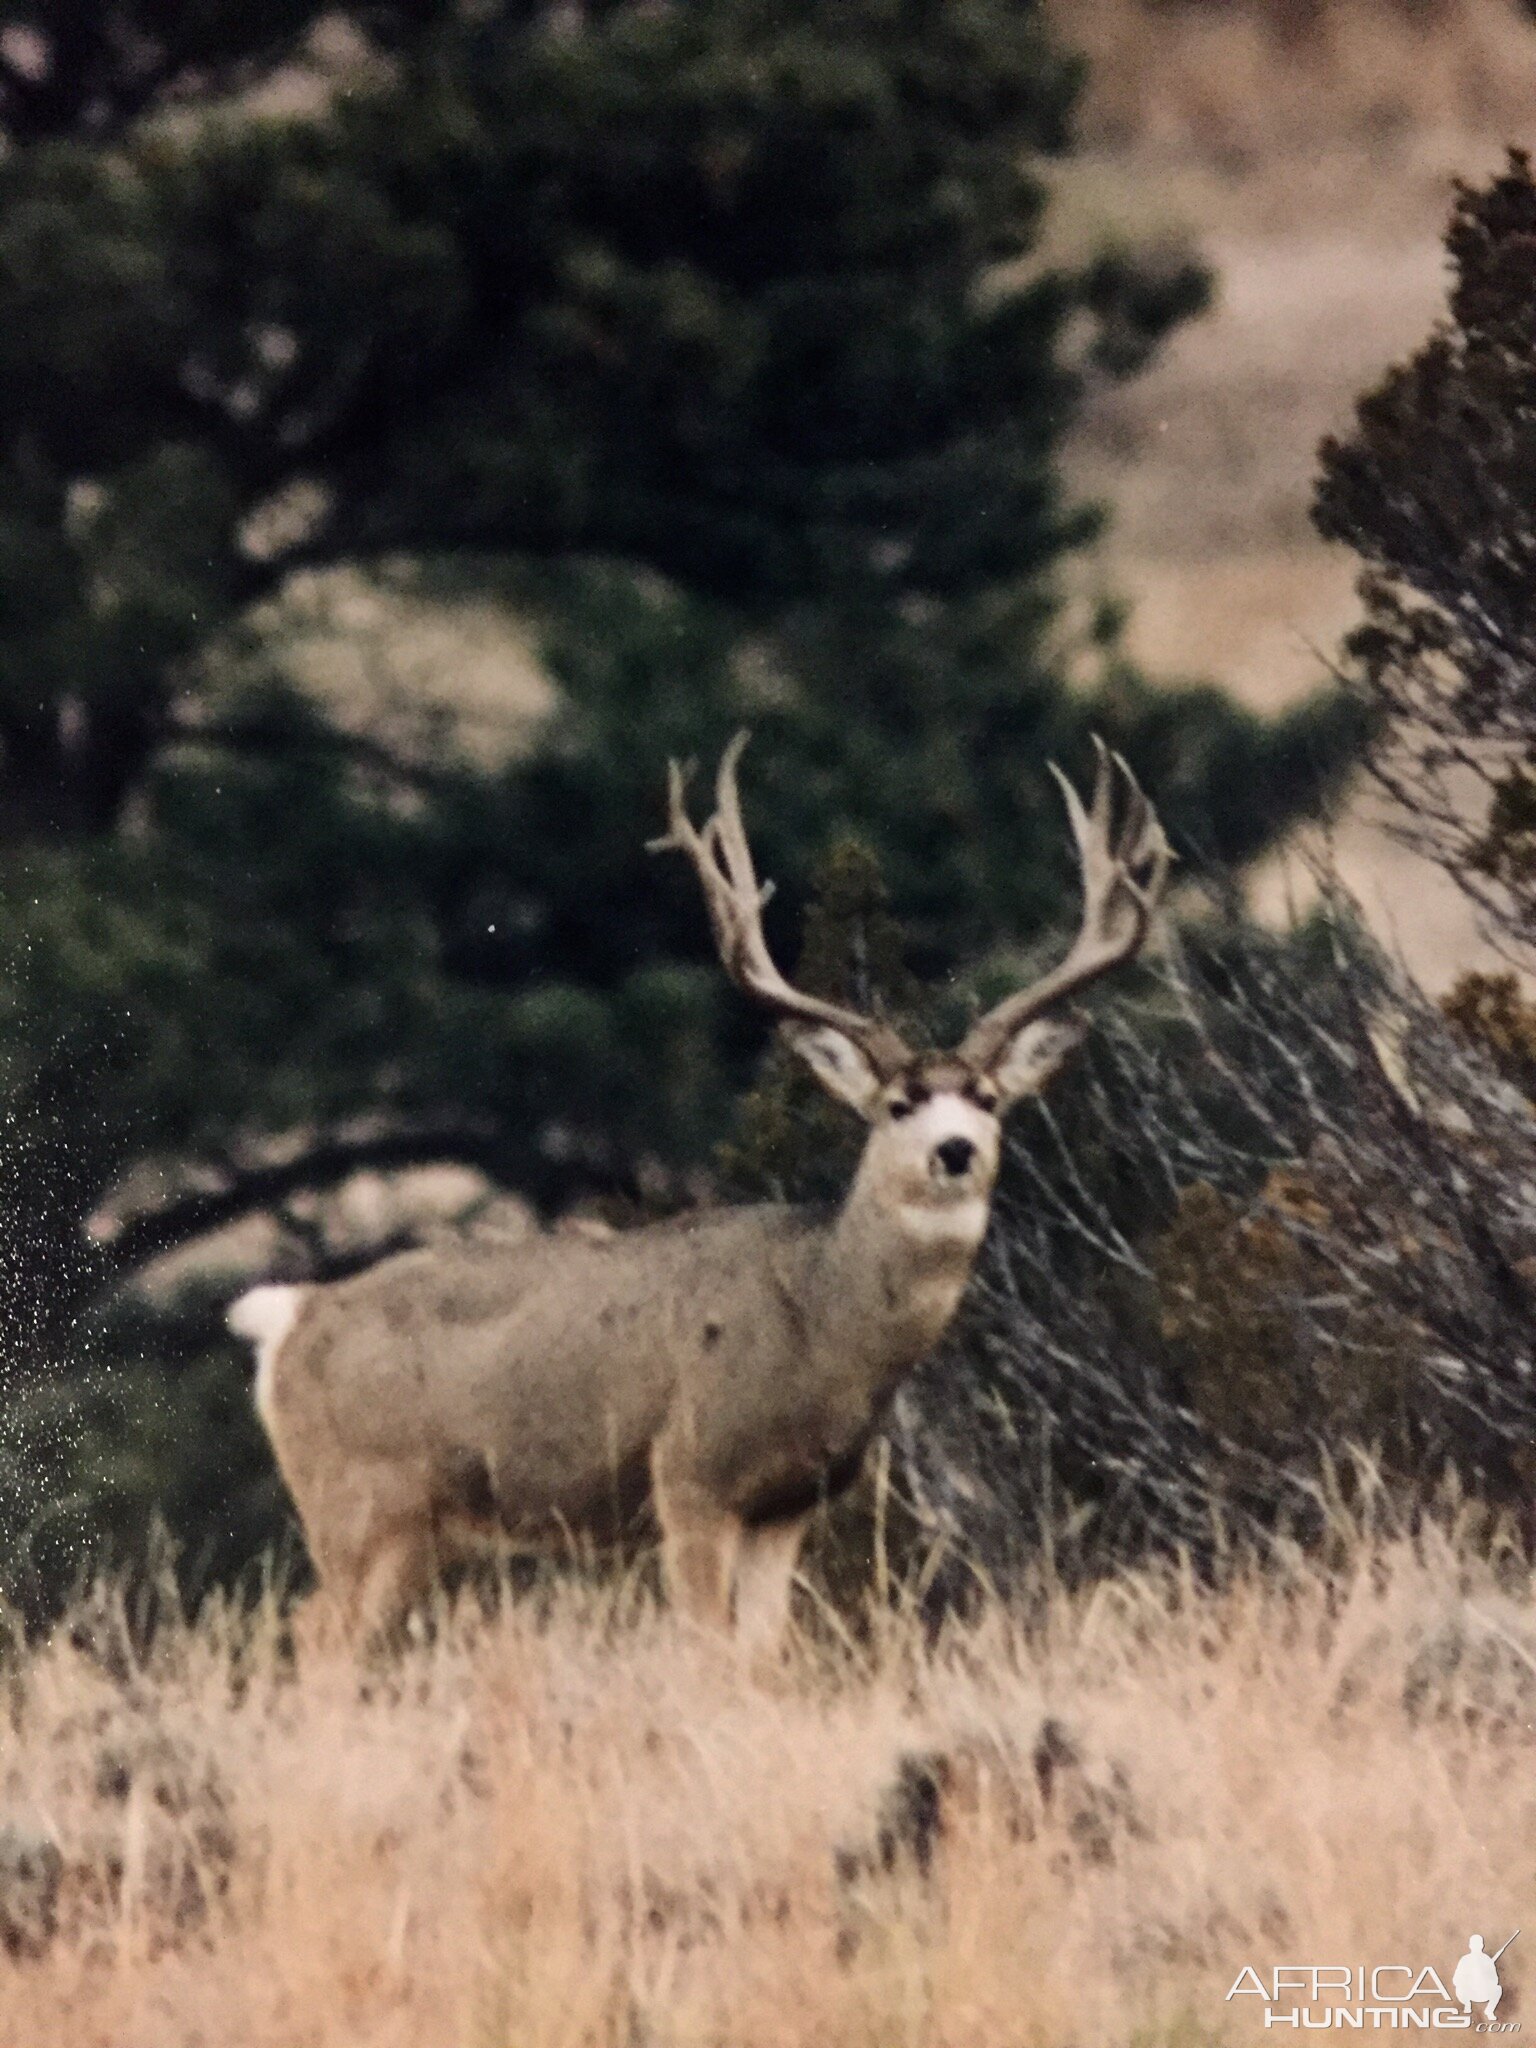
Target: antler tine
(1101,809)
(1143,841)
(1117,906)
(722,858)
(1077,817)
(1137,838)
(730,828)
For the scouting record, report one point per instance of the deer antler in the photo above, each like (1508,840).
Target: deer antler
(1124,873)
(722,859)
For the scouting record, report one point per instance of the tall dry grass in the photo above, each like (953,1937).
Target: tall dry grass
(576,1824)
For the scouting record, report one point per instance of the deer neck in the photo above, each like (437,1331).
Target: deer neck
(891,1276)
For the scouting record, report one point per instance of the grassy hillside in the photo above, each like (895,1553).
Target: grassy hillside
(1306,148)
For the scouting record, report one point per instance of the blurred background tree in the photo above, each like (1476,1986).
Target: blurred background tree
(713,344)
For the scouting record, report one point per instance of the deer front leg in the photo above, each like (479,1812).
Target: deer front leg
(700,1541)
(394,1583)
(765,1578)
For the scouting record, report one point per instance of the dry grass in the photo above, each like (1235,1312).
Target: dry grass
(1323,233)
(1239,82)
(587,1828)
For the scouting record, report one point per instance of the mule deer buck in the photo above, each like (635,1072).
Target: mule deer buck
(727,1368)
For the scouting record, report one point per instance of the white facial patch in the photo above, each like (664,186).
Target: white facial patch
(952,1116)
(943,1117)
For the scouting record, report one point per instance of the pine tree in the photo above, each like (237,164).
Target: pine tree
(715,341)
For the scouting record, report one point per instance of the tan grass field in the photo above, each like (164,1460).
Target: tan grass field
(578,1825)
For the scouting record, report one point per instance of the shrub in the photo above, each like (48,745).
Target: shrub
(1434,490)
(1283,1209)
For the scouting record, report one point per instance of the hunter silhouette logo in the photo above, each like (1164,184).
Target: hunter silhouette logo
(1476,1979)
(1360,1996)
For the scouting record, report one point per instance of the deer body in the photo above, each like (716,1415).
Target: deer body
(722,1372)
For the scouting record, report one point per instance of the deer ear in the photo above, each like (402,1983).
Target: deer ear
(1033,1056)
(841,1066)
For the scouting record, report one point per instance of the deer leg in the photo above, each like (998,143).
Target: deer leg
(396,1579)
(371,1542)
(765,1578)
(699,1545)
(698,1549)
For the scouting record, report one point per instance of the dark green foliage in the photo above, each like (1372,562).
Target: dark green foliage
(146,1434)
(91,67)
(1436,490)
(734,324)
(712,291)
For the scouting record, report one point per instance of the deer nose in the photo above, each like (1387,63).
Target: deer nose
(955,1155)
